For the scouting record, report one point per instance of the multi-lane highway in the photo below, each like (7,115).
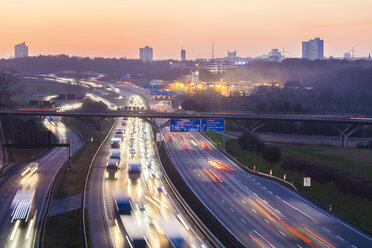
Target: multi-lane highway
(259,212)
(150,200)
(40,179)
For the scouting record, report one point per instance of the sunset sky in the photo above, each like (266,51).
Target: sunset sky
(117,28)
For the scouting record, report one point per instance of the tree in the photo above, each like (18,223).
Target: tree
(272,154)
(7,82)
(251,142)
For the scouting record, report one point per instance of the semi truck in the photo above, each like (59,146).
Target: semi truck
(174,233)
(23,210)
(132,227)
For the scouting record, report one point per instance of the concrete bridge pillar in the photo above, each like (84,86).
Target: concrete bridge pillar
(346,133)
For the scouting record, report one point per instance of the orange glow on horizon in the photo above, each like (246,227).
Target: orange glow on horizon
(117,28)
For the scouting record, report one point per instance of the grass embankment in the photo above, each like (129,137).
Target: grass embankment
(355,162)
(25,91)
(64,230)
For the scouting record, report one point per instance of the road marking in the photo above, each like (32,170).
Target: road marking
(244,202)
(215,193)
(259,183)
(326,229)
(198,174)
(264,187)
(254,211)
(234,193)
(222,201)
(340,238)
(282,233)
(277,197)
(270,192)
(299,246)
(232,210)
(203,180)
(243,220)
(267,221)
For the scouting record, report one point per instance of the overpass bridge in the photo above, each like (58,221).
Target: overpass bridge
(354,121)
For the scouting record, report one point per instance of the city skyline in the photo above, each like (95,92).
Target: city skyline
(119,28)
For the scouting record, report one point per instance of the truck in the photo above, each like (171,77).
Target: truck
(112,168)
(131,226)
(23,211)
(115,154)
(115,143)
(134,170)
(174,233)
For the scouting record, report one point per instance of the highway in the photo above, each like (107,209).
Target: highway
(149,195)
(258,211)
(40,180)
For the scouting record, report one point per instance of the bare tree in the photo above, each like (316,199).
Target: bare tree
(7,81)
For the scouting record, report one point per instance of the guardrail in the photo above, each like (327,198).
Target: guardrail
(219,230)
(190,213)
(49,196)
(83,196)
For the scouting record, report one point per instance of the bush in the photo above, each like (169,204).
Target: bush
(272,154)
(251,142)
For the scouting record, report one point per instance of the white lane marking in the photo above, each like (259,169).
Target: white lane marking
(299,246)
(277,197)
(270,192)
(198,175)
(243,220)
(215,193)
(264,187)
(254,210)
(282,233)
(259,183)
(354,246)
(267,221)
(234,193)
(203,180)
(222,201)
(326,229)
(340,238)
(232,210)
(244,202)
(300,211)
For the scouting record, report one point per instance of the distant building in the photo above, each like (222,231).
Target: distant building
(183,55)
(21,50)
(347,56)
(231,55)
(313,49)
(275,55)
(146,54)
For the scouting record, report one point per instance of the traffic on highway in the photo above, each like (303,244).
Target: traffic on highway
(137,207)
(258,211)
(24,189)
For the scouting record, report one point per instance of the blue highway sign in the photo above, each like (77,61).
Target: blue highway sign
(152,87)
(185,125)
(166,93)
(213,125)
(155,93)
